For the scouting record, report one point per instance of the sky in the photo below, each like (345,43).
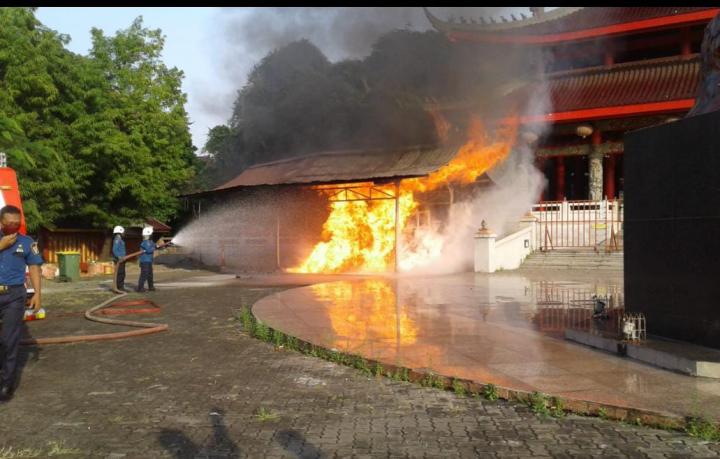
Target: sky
(217,47)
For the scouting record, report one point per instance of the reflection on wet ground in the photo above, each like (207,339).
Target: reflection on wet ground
(502,329)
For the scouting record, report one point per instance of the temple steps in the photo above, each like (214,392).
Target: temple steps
(582,259)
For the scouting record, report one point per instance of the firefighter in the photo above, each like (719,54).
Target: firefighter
(147,248)
(118,257)
(17,252)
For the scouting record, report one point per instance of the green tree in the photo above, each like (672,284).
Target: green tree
(96,140)
(146,156)
(38,78)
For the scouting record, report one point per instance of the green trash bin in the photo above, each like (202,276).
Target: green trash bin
(69,266)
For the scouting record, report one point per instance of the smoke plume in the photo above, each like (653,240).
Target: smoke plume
(246,35)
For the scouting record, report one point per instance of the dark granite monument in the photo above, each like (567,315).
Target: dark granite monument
(672,215)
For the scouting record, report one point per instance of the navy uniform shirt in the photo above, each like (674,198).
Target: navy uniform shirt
(118,247)
(148,246)
(15,258)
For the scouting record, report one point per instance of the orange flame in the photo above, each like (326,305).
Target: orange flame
(359,235)
(366,312)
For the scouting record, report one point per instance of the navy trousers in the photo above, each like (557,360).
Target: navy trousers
(120,274)
(146,273)
(12,310)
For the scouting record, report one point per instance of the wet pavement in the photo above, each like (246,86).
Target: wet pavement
(204,389)
(504,329)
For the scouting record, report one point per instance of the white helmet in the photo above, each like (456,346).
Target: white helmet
(119,229)
(147,231)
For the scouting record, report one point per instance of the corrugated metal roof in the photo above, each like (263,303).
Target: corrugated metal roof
(345,166)
(656,80)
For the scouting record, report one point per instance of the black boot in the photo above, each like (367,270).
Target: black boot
(6,391)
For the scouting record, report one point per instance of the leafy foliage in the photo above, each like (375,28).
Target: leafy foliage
(95,140)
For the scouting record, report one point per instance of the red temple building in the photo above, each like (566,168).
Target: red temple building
(608,70)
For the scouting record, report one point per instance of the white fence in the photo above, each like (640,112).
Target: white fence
(577,224)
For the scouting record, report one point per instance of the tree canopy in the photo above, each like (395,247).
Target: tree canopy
(296,102)
(96,140)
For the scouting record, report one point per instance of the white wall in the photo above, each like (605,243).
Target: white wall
(511,250)
(507,253)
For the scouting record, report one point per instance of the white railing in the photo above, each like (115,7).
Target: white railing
(576,224)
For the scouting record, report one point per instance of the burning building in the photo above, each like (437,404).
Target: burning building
(592,74)
(345,211)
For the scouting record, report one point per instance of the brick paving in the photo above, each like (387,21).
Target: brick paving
(206,390)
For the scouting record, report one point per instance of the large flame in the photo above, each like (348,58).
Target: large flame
(359,235)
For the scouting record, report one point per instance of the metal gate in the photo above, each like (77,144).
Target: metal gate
(579,224)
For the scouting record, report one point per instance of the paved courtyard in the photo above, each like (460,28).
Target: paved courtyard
(204,389)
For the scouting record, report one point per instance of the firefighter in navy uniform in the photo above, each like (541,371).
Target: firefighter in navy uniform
(148,248)
(118,257)
(16,253)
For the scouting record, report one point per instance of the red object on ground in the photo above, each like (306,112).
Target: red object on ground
(123,308)
(11,193)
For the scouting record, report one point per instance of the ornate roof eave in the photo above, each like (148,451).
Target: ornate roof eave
(447,26)
(533,31)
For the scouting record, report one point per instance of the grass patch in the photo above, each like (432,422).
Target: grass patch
(557,408)
(401,374)
(12,453)
(538,403)
(59,449)
(361,364)
(490,392)
(247,319)
(278,338)
(264,415)
(377,369)
(543,405)
(432,380)
(53,448)
(703,429)
(261,331)
(458,388)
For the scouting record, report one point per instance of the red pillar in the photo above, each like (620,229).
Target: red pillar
(610,177)
(559,178)
(685,51)
(540,164)
(609,58)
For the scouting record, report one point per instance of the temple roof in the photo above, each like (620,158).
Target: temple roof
(345,166)
(666,80)
(574,23)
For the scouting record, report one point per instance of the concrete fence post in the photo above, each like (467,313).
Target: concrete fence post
(485,250)
(530,220)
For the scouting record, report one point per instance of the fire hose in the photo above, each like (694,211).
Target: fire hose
(145,328)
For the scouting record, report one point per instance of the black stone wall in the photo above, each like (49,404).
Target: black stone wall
(672,228)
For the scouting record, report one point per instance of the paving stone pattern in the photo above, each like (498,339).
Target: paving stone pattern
(206,390)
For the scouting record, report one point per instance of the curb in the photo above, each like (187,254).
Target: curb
(635,416)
